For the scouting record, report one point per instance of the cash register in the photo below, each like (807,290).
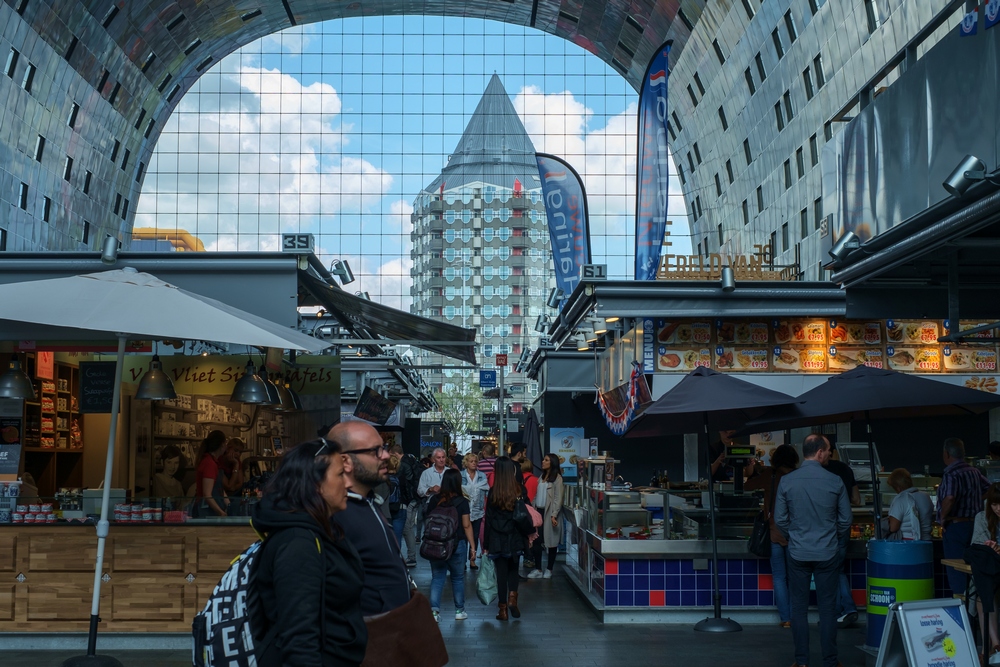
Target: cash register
(738,456)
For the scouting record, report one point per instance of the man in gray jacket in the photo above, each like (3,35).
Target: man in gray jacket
(811,509)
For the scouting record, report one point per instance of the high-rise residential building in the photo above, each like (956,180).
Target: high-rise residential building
(480,251)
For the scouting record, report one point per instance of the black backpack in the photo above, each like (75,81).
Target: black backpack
(440,532)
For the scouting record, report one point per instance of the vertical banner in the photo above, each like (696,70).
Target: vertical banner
(566,209)
(651,172)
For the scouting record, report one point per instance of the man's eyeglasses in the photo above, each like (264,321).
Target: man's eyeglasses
(378,450)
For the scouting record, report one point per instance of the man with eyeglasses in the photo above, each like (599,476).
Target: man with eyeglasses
(387,583)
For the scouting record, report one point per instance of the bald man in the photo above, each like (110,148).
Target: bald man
(387,583)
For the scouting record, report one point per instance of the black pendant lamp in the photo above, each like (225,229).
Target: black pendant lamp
(155,385)
(250,388)
(272,390)
(287,405)
(15,384)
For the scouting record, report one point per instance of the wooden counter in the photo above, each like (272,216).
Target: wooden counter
(160,575)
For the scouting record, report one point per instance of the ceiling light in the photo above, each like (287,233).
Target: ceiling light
(581,343)
(250,388)
(970,170)
(155,385)
(843,247)
(613,318)
(15,384)
(728,279)
(342,270)
(555,297)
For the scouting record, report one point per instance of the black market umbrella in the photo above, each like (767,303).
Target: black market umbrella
(730,403)
(875,393)
(532,441)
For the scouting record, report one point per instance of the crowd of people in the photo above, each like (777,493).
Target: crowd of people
(341,520)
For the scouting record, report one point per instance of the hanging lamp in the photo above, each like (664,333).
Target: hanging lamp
(250,388)
(15,384)
(272,391)
(155,385)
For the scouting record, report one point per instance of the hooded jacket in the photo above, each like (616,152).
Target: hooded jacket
(387,583)
(308,587)
(501,536)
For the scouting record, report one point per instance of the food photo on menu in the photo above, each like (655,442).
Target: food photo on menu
(969,359)
(742,358)
(849,358)
(672,359)
(679,333)
(799,332)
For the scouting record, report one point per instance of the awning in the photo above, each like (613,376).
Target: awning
(363,316)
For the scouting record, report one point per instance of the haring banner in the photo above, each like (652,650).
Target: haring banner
(566,209)
(651,167)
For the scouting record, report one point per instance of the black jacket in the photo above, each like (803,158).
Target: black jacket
(501,536)
(409,478)
(387,583)
(308,587)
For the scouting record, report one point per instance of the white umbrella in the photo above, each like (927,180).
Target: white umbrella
(129,304)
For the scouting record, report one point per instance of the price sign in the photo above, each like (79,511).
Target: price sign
(501,361)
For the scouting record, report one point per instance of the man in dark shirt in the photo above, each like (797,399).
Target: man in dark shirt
(960,498)
(848,610)
(387,583)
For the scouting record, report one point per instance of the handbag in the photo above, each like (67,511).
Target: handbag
(759,543)
(541,494)
(536,521)
(407,635)
(486,582)
(522,520)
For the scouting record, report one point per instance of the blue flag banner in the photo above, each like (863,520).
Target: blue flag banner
(991,14)
(566,209)
(651,171)
(970,22)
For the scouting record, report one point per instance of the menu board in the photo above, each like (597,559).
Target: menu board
(814,345)
(97,386)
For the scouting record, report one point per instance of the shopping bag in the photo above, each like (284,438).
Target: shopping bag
(486,581)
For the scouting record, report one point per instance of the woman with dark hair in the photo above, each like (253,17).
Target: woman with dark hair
(451,495)
(503,535)
(167,482)
(784,459)
(548,501)
(986,530)
(307,577)
(209,494)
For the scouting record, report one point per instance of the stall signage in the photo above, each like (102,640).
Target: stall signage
(10,459)
(709,267)
(927,633)
(97,386)
(374,407)
(217,375)
(648,345)
(491,421)
(501,361)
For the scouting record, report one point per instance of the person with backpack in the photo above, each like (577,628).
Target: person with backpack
(305,593)
(447,535)
(505,527)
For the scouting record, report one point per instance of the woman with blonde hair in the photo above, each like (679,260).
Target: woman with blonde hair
(475,486)
(506,524)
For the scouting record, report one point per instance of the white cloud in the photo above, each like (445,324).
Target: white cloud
(256,154)
(606,160)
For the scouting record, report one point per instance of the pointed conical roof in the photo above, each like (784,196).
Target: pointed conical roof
(495,147)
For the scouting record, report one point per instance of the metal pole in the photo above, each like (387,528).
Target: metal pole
(716,623)
(503,417)
(103,525)
(876,495)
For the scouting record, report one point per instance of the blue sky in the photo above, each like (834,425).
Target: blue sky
(334,128)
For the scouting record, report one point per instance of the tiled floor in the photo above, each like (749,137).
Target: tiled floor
(556,628)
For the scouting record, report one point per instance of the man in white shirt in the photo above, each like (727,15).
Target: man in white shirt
(902,483)
(430,479)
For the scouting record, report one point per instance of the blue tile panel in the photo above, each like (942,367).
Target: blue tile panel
(743,582)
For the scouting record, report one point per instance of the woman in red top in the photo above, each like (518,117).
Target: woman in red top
(210,496)
(530,479)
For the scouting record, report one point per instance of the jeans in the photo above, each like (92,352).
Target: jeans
(454,566)
(507,576)
(779,573)
(845,601)
(398,524)
(409,535)
(957,537)
(826,573)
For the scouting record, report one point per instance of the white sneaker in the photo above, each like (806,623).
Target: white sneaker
(437,616)
(535,574)
(547,575)
(460,615)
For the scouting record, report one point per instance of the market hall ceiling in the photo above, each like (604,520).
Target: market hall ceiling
(99,79)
